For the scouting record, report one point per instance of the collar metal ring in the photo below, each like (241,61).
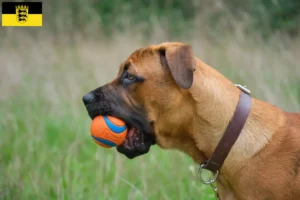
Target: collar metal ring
(210,181)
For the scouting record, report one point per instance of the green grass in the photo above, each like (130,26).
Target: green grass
(46,151)
(50,156)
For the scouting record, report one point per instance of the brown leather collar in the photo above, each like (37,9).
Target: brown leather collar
(232,132)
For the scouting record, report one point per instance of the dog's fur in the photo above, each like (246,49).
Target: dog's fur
(190,105)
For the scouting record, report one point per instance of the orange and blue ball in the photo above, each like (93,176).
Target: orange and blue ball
(108,131)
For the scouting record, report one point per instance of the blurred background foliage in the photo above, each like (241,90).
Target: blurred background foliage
(46,151)
(264,16)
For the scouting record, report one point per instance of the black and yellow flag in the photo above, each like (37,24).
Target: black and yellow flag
(22,14)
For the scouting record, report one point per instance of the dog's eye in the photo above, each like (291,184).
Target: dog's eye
(128,78)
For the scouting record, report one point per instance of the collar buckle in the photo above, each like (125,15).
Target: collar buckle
(243,88)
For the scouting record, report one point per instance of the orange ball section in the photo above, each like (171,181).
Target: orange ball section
(99,129)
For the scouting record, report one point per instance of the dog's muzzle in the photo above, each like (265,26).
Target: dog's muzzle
(140,136)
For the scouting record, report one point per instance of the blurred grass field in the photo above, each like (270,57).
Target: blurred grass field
(46,151)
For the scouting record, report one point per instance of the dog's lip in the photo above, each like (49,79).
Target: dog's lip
(132,136)
(136,143)
(132,130)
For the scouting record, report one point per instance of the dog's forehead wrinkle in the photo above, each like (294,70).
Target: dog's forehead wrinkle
(141,53)
(133,69)
(127,65)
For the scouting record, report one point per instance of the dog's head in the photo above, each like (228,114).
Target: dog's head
(149,94)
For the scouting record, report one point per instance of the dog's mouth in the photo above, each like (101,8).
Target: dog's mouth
(136,143)
(140,135)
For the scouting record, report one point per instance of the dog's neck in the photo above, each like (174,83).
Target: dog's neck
(216,98)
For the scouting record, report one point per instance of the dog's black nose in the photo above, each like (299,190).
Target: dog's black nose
(88,98)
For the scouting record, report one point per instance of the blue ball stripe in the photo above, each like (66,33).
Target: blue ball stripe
(113,127)
(106,142)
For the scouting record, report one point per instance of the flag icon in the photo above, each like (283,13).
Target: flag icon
(22,14)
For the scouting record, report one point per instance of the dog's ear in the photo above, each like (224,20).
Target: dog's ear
(180,60)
